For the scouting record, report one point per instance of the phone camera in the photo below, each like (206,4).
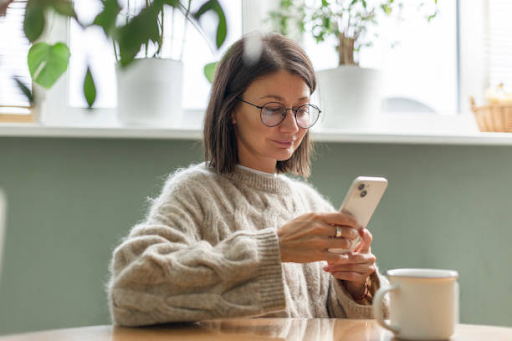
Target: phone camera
(363,194)
(361,186)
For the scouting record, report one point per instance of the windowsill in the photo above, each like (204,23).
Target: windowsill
(392,129)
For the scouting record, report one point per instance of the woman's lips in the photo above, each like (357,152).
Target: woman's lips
(284,143)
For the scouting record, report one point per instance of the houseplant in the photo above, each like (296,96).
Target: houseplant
(153,74)
(47,62)
(349,94)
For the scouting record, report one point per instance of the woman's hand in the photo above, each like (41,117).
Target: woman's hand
(307,238)
(355,267)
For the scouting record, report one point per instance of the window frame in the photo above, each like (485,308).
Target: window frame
(17,112)
(472,60)
(471,77)
(54,103)
(54,108)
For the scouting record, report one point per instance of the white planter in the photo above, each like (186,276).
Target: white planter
(149,92)
(350,97)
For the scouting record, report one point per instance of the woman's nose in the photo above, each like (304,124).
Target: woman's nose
(289,123)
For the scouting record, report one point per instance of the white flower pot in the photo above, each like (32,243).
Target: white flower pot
(350,97)
(149,92)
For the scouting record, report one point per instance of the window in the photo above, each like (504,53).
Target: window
(436,63)
(91,45)
(418,58)
(499,43)
(13,60)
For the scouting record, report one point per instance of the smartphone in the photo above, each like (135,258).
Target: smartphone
(361,201)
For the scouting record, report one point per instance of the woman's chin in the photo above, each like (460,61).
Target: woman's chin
(283,156)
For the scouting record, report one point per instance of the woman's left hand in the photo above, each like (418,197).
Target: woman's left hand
(355,267)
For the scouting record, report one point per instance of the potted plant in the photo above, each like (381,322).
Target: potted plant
(150,88)
(47,62)
(350,95)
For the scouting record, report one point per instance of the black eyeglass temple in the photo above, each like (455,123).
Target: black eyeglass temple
(254,105)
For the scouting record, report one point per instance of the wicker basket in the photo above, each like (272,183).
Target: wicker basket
(493,117)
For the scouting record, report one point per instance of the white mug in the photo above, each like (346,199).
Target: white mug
(424,303)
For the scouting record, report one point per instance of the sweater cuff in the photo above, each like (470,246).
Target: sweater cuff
(270,273)
(351,307)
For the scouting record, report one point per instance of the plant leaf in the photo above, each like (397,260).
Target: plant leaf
(34,22)
(89,88)
(172,3)
(209,71)
(106,19)
(137,32)
(48,62)
(386,9)
(213,5)
(64,7)
(26,91)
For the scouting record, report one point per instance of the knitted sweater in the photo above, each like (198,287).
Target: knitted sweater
(208,248)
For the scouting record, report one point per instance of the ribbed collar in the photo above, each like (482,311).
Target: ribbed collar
(257,171)
(272,184)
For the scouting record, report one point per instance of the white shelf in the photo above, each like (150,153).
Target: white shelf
(342,136)
(34,130)
(473,138)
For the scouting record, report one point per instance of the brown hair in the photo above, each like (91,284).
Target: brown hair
(233,76)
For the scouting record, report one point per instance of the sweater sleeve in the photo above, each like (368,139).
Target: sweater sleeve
(341,304)
(164,271)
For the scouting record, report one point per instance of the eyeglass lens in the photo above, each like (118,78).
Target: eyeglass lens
(274,113)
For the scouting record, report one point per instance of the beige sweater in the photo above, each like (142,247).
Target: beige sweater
(209,248)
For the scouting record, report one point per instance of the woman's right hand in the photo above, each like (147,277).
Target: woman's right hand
(308,237)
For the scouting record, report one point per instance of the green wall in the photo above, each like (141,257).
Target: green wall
(71,200)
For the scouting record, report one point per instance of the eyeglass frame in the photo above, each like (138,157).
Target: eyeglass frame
(286,110)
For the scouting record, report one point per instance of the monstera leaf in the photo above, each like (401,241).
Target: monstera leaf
(48,62)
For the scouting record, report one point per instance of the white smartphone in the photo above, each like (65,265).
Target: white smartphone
(361,201)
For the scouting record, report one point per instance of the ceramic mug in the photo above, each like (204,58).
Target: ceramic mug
(424,303)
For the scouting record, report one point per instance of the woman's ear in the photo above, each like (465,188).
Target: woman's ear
(233,117)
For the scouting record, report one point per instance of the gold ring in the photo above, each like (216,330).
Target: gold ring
(338,232)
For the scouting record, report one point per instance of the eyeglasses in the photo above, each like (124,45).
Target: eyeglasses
(273,113)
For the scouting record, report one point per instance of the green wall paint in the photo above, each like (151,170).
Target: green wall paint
(72,200)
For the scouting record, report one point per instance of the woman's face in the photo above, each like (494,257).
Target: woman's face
(259,146)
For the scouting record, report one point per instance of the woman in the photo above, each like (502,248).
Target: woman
(234,236)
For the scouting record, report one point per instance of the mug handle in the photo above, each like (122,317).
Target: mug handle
(378,300)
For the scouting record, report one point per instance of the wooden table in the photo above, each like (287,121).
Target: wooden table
(254,329)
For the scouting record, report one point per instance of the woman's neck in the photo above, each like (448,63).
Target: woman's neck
(256,170)
(262,165)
